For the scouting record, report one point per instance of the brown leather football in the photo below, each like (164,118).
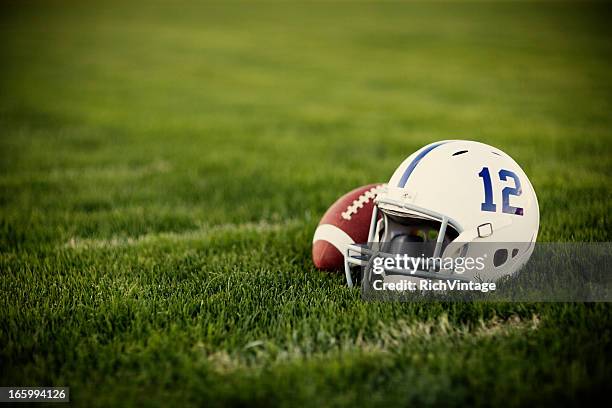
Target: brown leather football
(346,222)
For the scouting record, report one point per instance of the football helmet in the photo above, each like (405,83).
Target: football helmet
(460,199)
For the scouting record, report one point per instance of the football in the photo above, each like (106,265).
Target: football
(346,222)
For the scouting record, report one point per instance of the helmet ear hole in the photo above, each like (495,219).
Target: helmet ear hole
(500,257)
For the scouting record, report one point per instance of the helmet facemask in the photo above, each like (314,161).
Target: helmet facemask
(404,230)
(399,233)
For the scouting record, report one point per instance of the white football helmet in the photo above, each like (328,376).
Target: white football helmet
(454,194)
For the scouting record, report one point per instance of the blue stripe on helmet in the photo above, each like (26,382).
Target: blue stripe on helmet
(416,161)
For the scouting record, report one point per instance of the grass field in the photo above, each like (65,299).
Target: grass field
(163,168)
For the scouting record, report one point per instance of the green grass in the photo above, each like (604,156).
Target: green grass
(163,168)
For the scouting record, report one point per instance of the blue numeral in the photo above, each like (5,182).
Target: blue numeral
(508,191)
(488,204)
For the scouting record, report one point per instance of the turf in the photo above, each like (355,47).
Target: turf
(163,167)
